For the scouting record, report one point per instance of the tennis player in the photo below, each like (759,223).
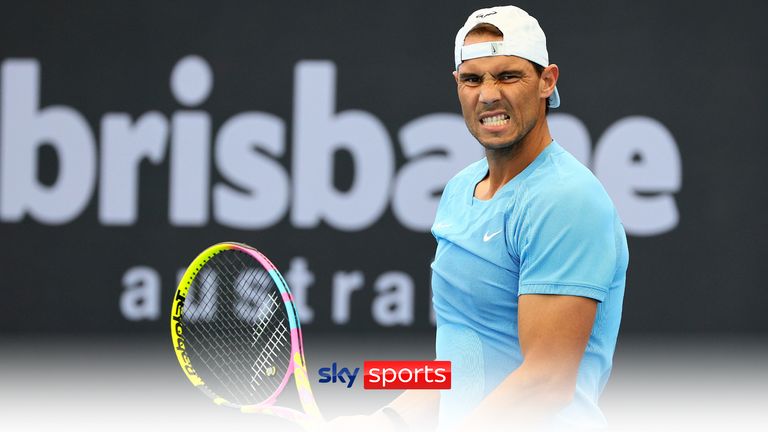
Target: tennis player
(529,274)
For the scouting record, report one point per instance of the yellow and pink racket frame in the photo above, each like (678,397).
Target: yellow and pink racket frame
(297,365)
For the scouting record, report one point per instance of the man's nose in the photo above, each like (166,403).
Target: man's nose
(489,91)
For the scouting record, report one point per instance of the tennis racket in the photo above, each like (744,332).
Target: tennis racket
(236,333)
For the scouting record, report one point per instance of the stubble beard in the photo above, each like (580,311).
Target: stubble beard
(510,149)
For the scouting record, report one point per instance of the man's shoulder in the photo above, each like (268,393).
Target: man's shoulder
(561,174)
(563,181)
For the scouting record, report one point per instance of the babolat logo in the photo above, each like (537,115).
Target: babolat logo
(178,333)
(333,374)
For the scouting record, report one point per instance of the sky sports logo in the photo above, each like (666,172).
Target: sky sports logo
(392,375)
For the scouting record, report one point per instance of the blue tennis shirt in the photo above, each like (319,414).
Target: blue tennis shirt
(552,229)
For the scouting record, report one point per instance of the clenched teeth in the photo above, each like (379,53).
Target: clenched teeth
(497,120)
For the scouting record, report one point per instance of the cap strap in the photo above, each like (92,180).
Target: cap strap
(485,49)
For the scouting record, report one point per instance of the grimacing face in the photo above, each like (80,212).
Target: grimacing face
(500,96)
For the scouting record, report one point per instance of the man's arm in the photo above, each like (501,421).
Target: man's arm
(553,331)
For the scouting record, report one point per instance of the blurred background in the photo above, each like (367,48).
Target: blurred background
(135,134)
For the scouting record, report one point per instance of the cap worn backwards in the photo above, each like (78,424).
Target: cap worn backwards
(523,37)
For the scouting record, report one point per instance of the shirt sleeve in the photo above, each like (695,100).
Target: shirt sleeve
(567,244)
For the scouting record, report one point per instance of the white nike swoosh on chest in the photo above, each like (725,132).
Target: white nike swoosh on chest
(487,236)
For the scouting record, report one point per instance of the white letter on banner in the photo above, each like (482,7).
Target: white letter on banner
(394,304)
(140,299)
(25,128)
(638,162)
(344,284)
(191,83)
(260,196)
(123,147)
(318,133)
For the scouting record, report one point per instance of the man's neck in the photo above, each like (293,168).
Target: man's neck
(505,164)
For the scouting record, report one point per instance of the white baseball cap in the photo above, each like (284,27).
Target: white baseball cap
(523,37)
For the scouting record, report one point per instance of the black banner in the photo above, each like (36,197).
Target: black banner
(135,134)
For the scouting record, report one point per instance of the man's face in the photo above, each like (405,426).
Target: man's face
(499,96)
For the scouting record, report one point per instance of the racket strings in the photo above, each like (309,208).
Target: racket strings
(237,329)
(264,363)
(266,325)
(231,363)
(217,353)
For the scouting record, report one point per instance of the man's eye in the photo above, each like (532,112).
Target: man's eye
(508,77)
(470,80)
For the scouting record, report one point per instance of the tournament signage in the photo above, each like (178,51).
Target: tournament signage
(115,169)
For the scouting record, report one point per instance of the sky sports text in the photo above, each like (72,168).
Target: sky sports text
(392,375)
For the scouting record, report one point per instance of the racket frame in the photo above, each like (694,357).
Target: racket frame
(297,366)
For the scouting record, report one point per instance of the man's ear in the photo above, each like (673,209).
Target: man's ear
(456,76)
(549,77)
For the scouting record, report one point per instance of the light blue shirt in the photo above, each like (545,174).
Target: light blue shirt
(552,229)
